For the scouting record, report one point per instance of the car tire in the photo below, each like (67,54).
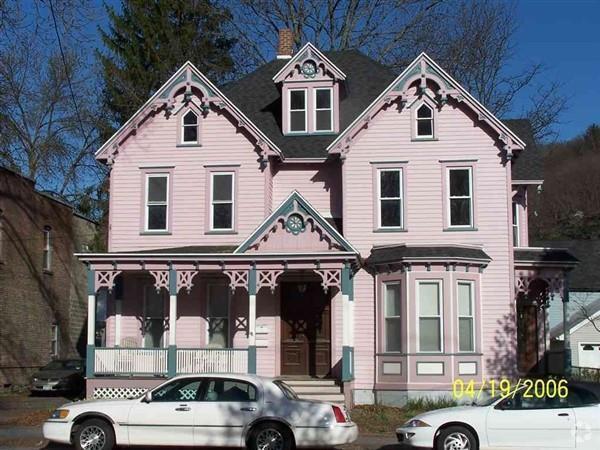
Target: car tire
(97,430)
(270,436)
(456,438)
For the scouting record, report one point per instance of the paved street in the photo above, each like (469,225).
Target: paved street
(16,433)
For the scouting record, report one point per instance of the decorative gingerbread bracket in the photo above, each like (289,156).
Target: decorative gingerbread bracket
(105,278)
(237,278)
(330,278)
(268,278)
(184,279)
(161,279)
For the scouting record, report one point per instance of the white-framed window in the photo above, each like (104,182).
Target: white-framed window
(323,109)
(424,121)
(189,128)
(222,207)
(217,315)
(466,316)
(460,197)
(47,251)
(389,201)
(392,316)
(154,317)
(429,307)
(515,224)
(297,118)
(157,202)
(54,340)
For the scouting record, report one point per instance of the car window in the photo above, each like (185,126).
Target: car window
(178,391)
(579,397)
(520,401)
(224,390)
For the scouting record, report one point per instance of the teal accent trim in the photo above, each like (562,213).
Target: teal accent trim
(172,282)
(287,207)
(91,282)
(252,359)
(207,90)
(89,361)
(252,281)
(167,91)
(345,280)
(347,363)
(172,361)
(351,293)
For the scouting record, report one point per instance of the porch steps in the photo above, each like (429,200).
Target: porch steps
(317,389)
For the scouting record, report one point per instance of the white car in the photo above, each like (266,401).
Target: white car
(220,410)
(516,422)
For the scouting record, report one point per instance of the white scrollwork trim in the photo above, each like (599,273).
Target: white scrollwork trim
(184,279)
(161,279)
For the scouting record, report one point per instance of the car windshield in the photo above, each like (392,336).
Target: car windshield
(287,391)
(71,364)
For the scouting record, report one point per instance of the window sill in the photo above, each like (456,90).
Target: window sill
(188,145)
(310,133)
(461,229)
(221,232)
(390,230)
(155,233)
(424,139)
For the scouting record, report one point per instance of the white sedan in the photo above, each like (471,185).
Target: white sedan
(516,422)
(204,410)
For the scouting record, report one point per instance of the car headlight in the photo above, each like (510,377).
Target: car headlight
(34,379)
(60,414)
(416,423)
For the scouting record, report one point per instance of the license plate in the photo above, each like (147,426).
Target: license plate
(46,387)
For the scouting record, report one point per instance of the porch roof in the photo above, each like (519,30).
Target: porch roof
(427,253)
(190,249)
(544,256)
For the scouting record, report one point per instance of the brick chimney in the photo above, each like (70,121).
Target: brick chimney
(286,44)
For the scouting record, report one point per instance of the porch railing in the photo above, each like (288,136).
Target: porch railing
(130,361)
(202,360)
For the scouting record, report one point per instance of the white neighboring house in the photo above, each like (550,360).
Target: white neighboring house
(584,305)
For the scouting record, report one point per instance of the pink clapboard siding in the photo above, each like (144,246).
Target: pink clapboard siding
(319,183)
(155,146)
(388,139)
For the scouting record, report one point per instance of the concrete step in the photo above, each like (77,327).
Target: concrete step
(315,389)
(332,398)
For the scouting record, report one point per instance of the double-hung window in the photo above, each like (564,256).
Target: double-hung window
(424,120)
(460,197)
(323,109)
(393,324)
(218,315)
(222,206)
(47,251)
(298,107)
(515,224)
(430,316)
(466,329)
(54,337)
(389,187)
(157,202)
(189,128)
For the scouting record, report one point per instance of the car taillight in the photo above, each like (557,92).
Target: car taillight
(339,414)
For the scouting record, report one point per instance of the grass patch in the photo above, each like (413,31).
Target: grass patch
(385,419)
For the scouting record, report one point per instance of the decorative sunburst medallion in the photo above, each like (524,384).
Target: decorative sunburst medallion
(309,69)
(295,224)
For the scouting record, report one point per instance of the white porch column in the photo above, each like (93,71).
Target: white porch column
(252,320)
(118,313)
(347,323)
(172,355)
(91,323)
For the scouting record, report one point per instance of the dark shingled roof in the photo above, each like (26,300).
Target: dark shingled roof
(575,318)
(544,255)
(529,163)
(259,98)
(586,276)
(402,252)
(190,249)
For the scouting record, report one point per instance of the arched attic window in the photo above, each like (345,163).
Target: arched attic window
(424,121)
(189,128)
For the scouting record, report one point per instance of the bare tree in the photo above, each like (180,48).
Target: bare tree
(474,41)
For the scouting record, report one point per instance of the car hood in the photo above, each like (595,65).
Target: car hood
(98,404)
(52,374)
(437,416)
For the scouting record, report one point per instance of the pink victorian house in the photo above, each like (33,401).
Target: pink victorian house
(321,218)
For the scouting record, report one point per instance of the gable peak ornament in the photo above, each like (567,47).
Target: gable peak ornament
(309,69)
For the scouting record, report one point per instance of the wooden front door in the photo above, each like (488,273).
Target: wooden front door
(305,330)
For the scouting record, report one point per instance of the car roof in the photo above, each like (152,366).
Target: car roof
(238,376)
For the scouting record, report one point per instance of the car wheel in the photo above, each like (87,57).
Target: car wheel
(270,436)
(94,434)
(456,438)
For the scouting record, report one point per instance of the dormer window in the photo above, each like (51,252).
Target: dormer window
(189,128)
(424,121)
(297,118)
(323,109)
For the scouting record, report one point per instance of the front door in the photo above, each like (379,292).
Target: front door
(305,330)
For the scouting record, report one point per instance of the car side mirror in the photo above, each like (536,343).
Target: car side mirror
(147,397)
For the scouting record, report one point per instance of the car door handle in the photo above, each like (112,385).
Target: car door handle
(249,408)
(563,414)
(183,408)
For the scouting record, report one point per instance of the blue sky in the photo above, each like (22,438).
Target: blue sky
(564,35)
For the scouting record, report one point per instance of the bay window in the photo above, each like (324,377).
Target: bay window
(157,203)
(222,201)
(466,328)
(460,197)
(429,307)
(392,316)
(389,193)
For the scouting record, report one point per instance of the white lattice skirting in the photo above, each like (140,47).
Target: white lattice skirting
(118,392)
